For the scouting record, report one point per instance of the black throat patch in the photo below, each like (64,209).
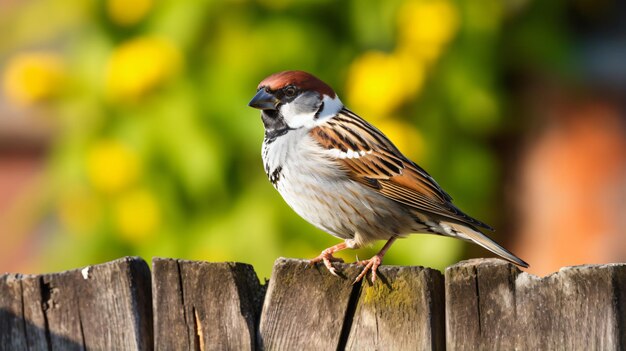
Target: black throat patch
(274,124)
(271,135)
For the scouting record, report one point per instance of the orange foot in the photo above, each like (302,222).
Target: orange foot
(327,257)
(373,263)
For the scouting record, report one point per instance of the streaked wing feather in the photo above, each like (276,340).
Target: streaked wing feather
(382,167)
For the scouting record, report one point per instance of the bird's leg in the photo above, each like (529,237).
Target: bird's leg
(373,263)
(327,257)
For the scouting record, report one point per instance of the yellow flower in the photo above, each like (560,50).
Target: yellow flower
(79,211)
(127,13)
(137,215)
(425,26)
(405,137)
(33,77)
(379,83)
(141,65)
(112,166)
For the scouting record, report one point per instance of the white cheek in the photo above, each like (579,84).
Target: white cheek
(294,117)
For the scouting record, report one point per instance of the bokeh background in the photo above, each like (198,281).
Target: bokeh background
(124,126)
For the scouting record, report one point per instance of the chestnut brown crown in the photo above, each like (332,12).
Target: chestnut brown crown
(299,79)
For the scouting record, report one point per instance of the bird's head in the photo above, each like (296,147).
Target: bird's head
(294,99)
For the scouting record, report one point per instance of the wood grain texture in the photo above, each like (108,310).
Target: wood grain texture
(305,307)
(12,324)
(490,304)
(402,310)
(205,306)
(101,307)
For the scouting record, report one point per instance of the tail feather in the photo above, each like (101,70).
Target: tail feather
(481,239)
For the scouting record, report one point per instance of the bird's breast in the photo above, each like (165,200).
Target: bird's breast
(319,190)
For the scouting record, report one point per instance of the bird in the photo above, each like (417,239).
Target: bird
(344,176)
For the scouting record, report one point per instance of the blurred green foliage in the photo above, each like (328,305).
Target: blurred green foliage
(157,154)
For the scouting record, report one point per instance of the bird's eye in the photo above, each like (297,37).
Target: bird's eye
(290,91)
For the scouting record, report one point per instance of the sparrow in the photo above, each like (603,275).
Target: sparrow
(344,176)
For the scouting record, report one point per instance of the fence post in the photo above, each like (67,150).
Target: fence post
(402,310)
(101,307)
(305,307)
(308,308)
(205,305)
(490,304)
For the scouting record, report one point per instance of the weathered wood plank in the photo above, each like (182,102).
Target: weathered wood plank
(402,310)
(490,304)
(12,326)
(205,306)
(306,307)
(101,307)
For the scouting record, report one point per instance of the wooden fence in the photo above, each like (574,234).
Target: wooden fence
(483,304)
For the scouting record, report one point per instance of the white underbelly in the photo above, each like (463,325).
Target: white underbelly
(319,191)
(343,207)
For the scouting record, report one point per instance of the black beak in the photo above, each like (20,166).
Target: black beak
(264,101)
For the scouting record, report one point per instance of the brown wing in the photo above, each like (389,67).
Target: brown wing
(371,159)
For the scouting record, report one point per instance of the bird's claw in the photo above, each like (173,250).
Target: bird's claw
(332,271)
(371,264)
(327,259)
